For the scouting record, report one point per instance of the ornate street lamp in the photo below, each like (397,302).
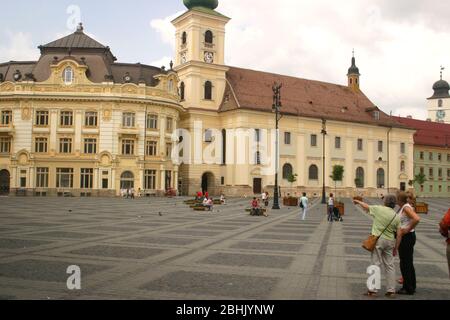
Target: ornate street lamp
(324,133)
(276,108)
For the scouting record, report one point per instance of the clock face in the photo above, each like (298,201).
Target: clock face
(183,58)
(209,57)
(440,114)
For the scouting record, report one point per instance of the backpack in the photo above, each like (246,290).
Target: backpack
(301,204)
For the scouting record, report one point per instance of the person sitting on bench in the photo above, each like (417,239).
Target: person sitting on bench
(256,209)
(208,203)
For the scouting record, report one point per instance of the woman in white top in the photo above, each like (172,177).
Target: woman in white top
(406,241)
(330,207)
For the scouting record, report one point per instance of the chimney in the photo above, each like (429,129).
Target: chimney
(409,117)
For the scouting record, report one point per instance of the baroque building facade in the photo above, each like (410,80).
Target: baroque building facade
(76,122)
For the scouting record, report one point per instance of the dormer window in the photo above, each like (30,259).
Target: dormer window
(68,76)
(209,37)
(376,115)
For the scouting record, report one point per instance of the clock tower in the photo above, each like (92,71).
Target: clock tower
(200,54)
(439,103)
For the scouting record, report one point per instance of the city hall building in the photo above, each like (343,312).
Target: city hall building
(77,121)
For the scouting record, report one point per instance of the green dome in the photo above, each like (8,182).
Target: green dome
(210,4)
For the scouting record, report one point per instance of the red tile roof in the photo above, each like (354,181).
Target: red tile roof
(300,97)
(428,133)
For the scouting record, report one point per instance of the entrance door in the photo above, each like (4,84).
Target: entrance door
(4,182)
(257,186)
(403,186)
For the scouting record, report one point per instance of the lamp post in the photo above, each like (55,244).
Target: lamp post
(324,133)
(276,108)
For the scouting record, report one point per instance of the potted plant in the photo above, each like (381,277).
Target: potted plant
(421,207)
(291,201)
(338,175)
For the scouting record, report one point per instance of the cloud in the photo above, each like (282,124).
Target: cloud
(164,61)
(399,45)
(18,46)
(165,28)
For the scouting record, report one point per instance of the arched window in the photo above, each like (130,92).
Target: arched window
(287,171)
(127,180)
(359,181)
(170,85)
(402,166)
(313,172)
(209,37)
(208,90)
(184,38)
(182,89)
(380,178)
(68,75)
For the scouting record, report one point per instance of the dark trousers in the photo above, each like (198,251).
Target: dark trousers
(406,252)
(330,213)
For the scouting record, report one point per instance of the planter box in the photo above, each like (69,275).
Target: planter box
(341,208)
(421,208)
(290,202)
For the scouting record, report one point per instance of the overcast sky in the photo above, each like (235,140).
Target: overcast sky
(400,45)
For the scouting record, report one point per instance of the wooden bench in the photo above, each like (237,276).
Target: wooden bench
(262,210)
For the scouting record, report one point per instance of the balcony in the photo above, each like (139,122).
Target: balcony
(7,128)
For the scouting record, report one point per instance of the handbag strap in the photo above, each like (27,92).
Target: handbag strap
(395,216)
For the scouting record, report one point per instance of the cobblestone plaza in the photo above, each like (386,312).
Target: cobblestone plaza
(157,248)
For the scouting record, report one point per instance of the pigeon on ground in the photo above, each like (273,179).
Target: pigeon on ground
(160,214)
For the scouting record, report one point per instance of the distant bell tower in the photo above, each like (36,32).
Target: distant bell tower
(200,54)
(353,75)
(439,103)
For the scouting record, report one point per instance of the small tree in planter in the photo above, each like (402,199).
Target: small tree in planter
(421,207)
(338,175)
(291,201)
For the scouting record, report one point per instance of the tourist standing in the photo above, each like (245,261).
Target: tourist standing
(330,208)
(384,219)
(407,240)
(444,228)
(223,199)
(304,205)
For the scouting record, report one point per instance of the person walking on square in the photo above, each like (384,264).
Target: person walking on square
(384,219)
(304,205)
(444,228)
(406,242)
(330,208)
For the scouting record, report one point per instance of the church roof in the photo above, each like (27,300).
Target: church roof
(252,90)
(428,133)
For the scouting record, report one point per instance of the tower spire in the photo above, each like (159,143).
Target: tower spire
(442,70)
(353,74)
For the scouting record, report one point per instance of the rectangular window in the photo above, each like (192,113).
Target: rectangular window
(66,119)
(422,170)
(422,155)
(6,118)
(105,183)
(360,144)
(150,179)
(258,135)
(151,149)
(91,119)
(128,147)
(380,146)
(5,145)
(65,145)
(41,177)
(430,156)
(337,142)
(86,178)
(440,173)
(152,121)
(313,140)
(42,118)
(41,145)
(168,150)
(439,157)
(90,146)
(402,148)
(208,135)
(128,120)
(64,178)
(287,138)
(431,173)
(169,125)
